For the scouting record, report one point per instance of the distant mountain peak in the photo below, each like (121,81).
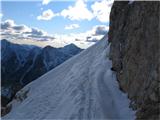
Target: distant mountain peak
(71,45)
(22,64)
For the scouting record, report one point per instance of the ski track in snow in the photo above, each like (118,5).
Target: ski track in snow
(83,87)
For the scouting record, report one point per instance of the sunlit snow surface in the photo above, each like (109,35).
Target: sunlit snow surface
(83,87)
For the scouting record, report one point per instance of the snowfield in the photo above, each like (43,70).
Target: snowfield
(83,87)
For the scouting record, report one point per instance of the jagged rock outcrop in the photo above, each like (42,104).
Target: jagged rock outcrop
(135,37)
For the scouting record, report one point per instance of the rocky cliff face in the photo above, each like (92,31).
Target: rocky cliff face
(135,37)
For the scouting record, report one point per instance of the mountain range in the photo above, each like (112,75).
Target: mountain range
(22,64)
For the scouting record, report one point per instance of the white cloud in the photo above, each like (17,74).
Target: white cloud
(100,29)
(47,15)
(84,39)
(35,32)
(11,30)
(97,30)
(9,25)
(101,10)
(72,26)
(77,12)
(45,2)
(1,15)
(41,8)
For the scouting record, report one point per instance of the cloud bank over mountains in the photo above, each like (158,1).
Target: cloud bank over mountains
(12,31)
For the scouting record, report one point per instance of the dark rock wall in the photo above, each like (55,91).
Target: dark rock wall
(135,38)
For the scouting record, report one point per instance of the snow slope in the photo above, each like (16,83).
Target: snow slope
(83,87)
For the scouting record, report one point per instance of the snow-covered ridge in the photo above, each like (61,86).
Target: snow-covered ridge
(83,87)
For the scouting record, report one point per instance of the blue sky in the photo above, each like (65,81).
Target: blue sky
(55,17)
(26,13)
